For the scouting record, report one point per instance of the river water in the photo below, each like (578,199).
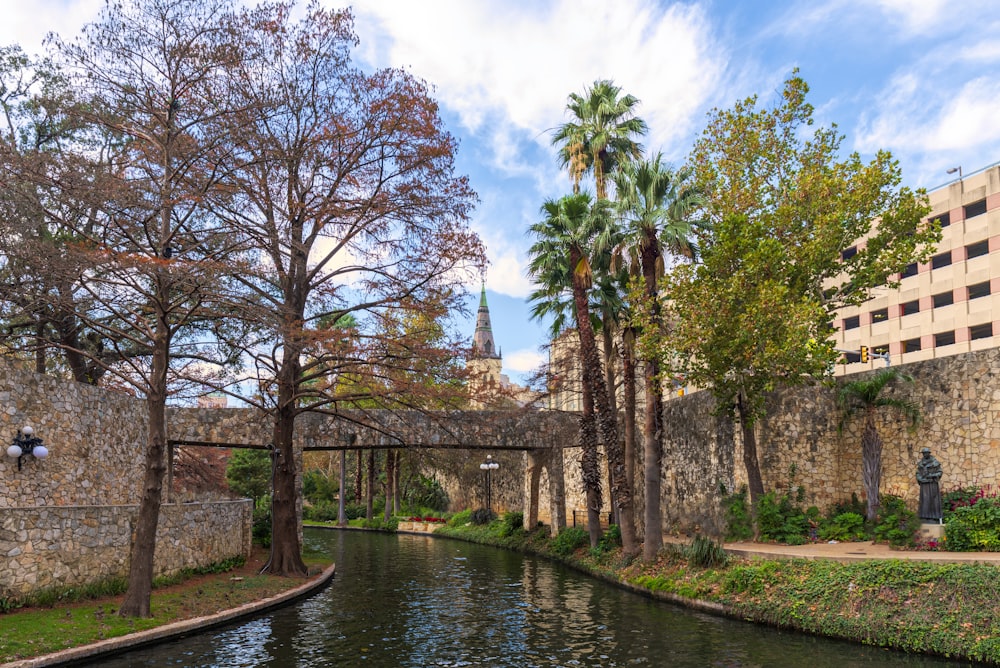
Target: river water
(415,601)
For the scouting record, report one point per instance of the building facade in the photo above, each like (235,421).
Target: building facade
(943,307)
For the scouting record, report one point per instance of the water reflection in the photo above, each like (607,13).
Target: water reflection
(416,601)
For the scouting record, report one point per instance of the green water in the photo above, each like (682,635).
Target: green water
(414,601)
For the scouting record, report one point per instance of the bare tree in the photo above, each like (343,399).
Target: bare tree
(346,198)
(150,66)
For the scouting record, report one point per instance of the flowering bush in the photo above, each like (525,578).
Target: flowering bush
(975,527)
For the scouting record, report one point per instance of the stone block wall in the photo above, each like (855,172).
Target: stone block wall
(95,440)
(67,520)
(65,546)
(958,396)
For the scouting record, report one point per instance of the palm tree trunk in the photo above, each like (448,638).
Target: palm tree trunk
(589,363)
(609,382)
(628,383)
(871,463)
(652,430)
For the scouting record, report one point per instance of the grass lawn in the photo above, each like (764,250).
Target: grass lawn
(33,631)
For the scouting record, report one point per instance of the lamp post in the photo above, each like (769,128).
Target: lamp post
(26,443)
(489,466)
(960,181)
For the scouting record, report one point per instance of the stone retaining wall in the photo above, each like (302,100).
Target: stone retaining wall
(65,546)
(958,396)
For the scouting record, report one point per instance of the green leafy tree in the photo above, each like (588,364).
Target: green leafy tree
(248,473)
(656,205)
(757,312)
(869,396)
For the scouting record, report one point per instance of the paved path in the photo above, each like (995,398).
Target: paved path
(846,552)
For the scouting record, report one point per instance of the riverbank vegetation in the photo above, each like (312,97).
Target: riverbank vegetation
(59,619)
(946,609)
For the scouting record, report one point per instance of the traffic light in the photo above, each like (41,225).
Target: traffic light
(864,353)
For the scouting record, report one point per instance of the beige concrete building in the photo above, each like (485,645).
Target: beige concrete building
(947,306)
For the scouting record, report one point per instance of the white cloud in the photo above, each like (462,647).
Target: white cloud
(29,27)
(523,361)
(515,63)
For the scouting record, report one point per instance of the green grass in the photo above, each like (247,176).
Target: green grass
(34,631)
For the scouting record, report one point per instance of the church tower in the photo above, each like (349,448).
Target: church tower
(483,346)
(484,365)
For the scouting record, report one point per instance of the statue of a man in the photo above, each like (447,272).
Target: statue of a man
(928,475)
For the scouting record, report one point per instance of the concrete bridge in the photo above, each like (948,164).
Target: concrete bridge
(542,435)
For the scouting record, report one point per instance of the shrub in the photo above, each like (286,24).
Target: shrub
(844,527)
(975,527)
(569,540)
(855,505)
(779,519)
(261,529)
(426,492)
(896,524)
(962,497)
(610,540)
(461,518)
(482,516)
(322,512)
(381,524)
(512,523)
(739,523)
(355,510)
(705,553)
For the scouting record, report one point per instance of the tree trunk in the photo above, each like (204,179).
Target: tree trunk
(370,491)
(397,499)
(590,384)
(140,573)
(652,428)
(628,387)
(286,550)
(871,463)
(390,461)
(359,476)
(342,492)
(607,341)
(754,481)
(40,347)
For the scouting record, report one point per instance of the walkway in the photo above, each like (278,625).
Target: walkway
(846,552)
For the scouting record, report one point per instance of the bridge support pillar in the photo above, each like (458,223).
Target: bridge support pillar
(549,460)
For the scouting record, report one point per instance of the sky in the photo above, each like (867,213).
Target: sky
(915,77)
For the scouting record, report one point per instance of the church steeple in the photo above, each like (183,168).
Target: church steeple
(483,345)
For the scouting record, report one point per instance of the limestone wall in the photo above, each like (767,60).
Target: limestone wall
(959,398)
(95,439)
(67,519)
(64,546)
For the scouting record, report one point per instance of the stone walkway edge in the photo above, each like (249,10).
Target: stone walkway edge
(76,655)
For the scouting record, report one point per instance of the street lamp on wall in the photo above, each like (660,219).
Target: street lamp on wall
(26,443)
(489,466)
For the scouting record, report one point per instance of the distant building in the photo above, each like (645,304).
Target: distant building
(213,400)
(488,386)
(943,307)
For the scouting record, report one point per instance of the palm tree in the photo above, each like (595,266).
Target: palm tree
(866,395)
(656,204)
(602,134)
(561,259)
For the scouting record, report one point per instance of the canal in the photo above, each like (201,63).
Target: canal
(415,601)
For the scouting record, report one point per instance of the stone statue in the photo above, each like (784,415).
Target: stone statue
(928,474)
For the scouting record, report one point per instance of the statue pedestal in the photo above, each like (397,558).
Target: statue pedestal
(931,530)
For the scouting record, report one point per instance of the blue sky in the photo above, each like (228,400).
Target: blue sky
(916,77)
